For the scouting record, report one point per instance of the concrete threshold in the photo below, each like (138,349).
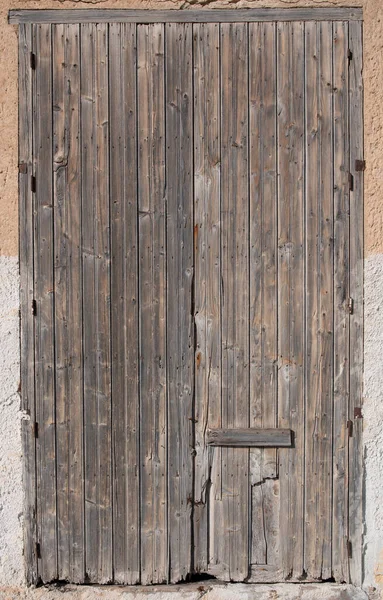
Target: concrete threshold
(207,590)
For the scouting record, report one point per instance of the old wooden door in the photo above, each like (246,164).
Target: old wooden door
(191,267)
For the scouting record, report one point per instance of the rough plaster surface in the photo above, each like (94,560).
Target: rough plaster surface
(205,590)
(11,571)
(373,75)
(373,419)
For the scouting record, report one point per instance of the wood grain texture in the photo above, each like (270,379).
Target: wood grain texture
(96,290)
(26,249)
(263,235)
(124,302)
(191,246)
(185,16)
(291,292)
(234,530)
(319,299)
(152,302)
(44,294)
(68,302)
(356,293)
(263,284)
(207,307)
(341,293)
(243,438)
(179,324)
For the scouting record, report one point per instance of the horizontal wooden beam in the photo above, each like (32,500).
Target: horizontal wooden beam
(184,16)
(250,438)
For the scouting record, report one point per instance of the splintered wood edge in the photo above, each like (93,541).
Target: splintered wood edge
(250,438)
(184,16)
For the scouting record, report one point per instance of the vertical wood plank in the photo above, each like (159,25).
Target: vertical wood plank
(124,301)
(27,369)
(207,307)
(319,299)
(263,279)
(234,530)
(96,294)
(152,301)
(341,294)
(291,290)
(356,293)
(44,320)
(179,325)
(68,301)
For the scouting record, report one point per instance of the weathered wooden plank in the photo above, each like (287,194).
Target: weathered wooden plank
(185,16)
(263,281)
(152,301)
(319,299)
(124,301)
(207,307)
(179,308)
(234,529)
(263,235)
(356,293)
(44,320)
(291,293)
(96,290)
(265,531)
(27,369)
(68,302)
(341,294)
(243,438)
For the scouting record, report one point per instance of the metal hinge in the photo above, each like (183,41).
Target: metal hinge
(349,55)
(33,60)
(350,306)
(349,428)
(349,549)
(38,550)
(35,430)
(34,308)
(360,165)
(33,184)
(358,412)
(351,182)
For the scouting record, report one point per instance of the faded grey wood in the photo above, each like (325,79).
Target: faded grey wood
(263,286)
(356,293)
(26,250)
(243,438)
(179,325)
(319,299)
(340,559)
(219,111)
(207,307)
(263,235)
(68,302)
(44,320)
(124,302)
(291,293)
(152,302)
(96,291)
(233,533)
(183,16)
(265,528)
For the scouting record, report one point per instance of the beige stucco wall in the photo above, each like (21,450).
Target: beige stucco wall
(11,567)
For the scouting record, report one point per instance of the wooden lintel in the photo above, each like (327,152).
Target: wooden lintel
(184,16)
